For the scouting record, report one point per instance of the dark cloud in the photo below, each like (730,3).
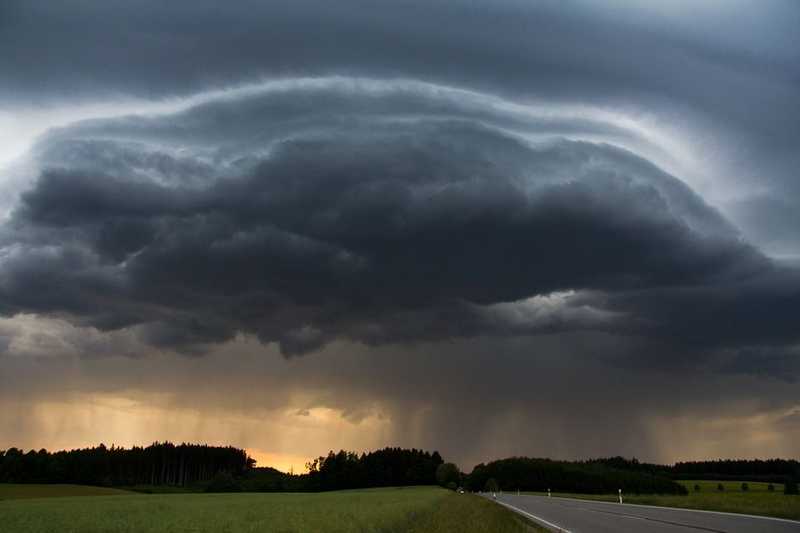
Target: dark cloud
(782,363)
(725,76)
(538,218)
(153,48)
(300,226)
(772,219)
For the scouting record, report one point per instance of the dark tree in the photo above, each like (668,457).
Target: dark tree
(592,477)
(157,464)
(769,470)
(447,473)
(223,482)
(382,468)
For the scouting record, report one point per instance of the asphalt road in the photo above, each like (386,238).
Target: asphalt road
(583,516)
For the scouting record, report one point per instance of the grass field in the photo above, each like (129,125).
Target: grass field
(23,491)
(757,500)
(406,510)
(730,486)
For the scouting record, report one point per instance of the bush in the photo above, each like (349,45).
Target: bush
(771,487)
(447,473)
(720,487)
(745,487)
(790,487)
(223,482)
(452,486)
(696,487)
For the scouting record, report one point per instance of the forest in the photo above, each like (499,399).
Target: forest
(768,470)
(612,473)
(198,467)
(590,477)
(216,468)
(388,467)
(158,464)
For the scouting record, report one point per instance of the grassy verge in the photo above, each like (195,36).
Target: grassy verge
(406,510)
(164,489)
(758,500)
(469,513)
(14,491)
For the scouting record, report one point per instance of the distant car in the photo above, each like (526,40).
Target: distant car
(460,490)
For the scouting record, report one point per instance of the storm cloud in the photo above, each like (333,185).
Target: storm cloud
(587,184)
(351,209)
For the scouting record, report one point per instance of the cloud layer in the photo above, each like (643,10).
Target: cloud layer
(374,211)
(453,221)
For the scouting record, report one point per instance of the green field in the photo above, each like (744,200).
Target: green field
(413,509)
(23,491)
(757,500)
(730,486)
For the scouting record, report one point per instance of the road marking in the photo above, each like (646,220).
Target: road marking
(664,508)
(647,518)
(534,517)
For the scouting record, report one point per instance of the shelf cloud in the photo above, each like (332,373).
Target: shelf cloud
(363,184)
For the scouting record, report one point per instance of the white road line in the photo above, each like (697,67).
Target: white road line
(665,508)
(534,517)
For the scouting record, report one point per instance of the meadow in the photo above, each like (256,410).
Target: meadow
(391,510)
(30,490)
(757,500)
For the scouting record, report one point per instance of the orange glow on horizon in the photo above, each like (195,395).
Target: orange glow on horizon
(280,461)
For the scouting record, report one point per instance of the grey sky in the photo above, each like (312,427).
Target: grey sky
(610,187)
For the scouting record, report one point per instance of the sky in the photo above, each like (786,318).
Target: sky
(547,228)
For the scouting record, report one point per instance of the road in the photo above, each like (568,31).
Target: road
(583,516)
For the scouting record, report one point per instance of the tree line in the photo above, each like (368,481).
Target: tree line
(388,467)
(589,477)
(613,473)
(158,464)
(769,470)
(218,469)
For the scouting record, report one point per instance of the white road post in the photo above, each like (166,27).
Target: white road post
(548,493)
(620,495)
